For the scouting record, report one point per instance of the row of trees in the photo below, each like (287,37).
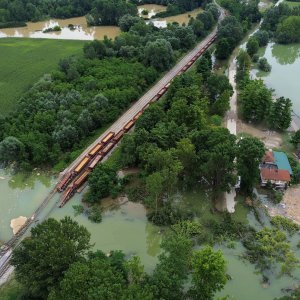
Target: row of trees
(89,92)
(233,28)
(256,100)
(99,12)
(283,23)
(56,262)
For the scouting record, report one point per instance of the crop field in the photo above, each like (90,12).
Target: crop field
(23,61)
(292,4)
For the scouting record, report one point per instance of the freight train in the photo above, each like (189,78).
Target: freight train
(73,180)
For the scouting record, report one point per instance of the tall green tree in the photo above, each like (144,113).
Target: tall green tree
(250,151)
(252,46)
(209,273)
(280,116)
(42,259)
(256,100)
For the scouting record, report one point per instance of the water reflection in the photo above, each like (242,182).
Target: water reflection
(286,54)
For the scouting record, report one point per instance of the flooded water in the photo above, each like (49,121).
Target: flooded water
(152,9)
(284,77)
(20,195)
(126,228)
(81,30)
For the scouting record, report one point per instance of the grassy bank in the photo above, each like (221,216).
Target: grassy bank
(23,61)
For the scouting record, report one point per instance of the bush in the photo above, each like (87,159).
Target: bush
(95,214)
(255,58)
(283,223)
(263,65)
(78,209)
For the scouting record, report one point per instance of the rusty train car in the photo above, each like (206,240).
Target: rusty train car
(73,180)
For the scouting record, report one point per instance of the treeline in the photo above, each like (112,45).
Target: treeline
(179,143)
(233,28)
(282,22)
(100,12)
(68,269)
(88,92)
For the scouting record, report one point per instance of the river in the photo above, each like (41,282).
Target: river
(81,31)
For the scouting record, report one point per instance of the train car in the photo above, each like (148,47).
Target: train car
(118,136)
(82,164)
(96,149)
(108,137)
(179,73)
(184,68)
(161,92)
(167,85)
(82,178)
(64,182)
(189,63)
(69,192)
(154,99)
(146,106)
(107,148)
(128,126)
(137,115)
(95,161)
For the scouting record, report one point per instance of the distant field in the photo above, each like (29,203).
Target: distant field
(292,4)
(23,61)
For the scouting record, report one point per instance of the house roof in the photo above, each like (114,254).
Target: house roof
(269,157)
(273,174)
(282,161)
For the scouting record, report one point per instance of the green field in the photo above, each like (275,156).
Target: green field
(291,3)
(23,61)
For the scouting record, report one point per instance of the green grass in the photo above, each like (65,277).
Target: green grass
(23,61)
(291,3)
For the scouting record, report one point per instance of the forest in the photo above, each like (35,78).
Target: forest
(283,23)
(90,91)
(98,12)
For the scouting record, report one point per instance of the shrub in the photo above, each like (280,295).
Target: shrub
(263,65)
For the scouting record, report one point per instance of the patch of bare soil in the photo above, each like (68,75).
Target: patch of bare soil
(290,207)
(271,139)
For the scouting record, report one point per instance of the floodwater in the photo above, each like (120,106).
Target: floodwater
(81,31)
(126,228)
(152,9)
(284,77)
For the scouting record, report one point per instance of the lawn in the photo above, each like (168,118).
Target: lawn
(23,61)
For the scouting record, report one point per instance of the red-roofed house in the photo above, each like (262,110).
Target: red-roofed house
(279,178)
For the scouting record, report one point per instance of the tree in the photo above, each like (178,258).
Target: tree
(198,27)
(11,149)
(209,275)
(93,279)
(154,186)
(250,151)
(222,104)
(223,49)
(102,181)
(288,30)
(263,65)
(159,54)
(42,259)
(204,65)
(243,68)
(262,37)
(295,140)
(280,115)
(252,46)
(218,84)
(207,19)
(256,101)
(127,21)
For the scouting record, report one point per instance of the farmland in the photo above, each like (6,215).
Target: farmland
(23,61)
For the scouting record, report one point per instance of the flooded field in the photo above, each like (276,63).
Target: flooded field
(81,30)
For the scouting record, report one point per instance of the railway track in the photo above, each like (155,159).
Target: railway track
(115,133)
